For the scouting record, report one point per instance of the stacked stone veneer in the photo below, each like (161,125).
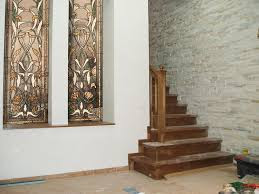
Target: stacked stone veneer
(211,52)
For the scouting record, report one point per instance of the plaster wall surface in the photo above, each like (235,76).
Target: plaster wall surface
(36,152)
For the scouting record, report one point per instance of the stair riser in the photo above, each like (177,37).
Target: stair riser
(130,161)
(185,135)
(170,152)
(180,121)
(153,136)
(171,99)
(164,170)
(140,144)
(177,135)
(176,109)
(145,169)
(159,172)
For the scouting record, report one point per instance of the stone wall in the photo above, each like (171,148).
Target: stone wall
(211,52)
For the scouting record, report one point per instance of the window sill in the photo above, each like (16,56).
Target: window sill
(46,125)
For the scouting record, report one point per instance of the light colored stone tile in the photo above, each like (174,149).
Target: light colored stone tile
(210,50)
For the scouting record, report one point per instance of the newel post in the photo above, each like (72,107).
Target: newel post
(161,102)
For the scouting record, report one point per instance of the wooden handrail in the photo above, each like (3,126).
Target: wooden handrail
(158,100)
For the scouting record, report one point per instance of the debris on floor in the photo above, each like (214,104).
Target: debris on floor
(247,165)
(249,179)
(248,185)
(228,188)
(132,190)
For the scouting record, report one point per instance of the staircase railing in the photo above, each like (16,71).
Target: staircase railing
(158,100)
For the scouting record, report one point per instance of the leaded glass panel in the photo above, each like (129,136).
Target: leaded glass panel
(85,60)
(26,61)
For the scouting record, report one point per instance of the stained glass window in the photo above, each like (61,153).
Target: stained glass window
(26,61)
(85,60)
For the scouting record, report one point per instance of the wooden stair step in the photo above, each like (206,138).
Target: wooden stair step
(158,169)
(183,144)
(182,141)
(180,132)
(179,115)
(176,108)
(164,151)
(171,99)
(140,144)
(180,119)
(185,128)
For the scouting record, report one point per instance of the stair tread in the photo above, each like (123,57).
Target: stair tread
(185,128)
(180,105)
(179,115)
(182,128)
(181,159)
(182,141)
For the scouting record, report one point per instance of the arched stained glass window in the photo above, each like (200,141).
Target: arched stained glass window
(26,61)
(85,60)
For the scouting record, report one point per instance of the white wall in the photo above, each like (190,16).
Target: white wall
(58,62)
(35,152)
(108,58)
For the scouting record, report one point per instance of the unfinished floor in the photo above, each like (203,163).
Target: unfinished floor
(202,181)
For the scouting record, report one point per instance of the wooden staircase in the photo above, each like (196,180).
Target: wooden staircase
(175,142)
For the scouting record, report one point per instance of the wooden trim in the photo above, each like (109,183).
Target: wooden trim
(158,100)
(46,125)
(66,175)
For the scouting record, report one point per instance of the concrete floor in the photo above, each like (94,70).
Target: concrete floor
(202,181)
